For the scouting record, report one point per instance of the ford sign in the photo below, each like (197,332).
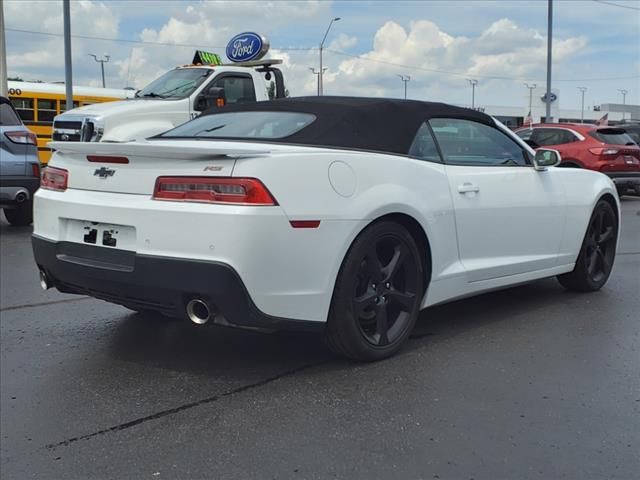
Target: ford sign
(247,46)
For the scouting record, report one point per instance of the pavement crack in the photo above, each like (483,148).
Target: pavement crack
(181,408)
(42,304)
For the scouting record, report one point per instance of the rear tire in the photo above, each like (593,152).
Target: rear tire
(20,216)
(597,253)
(377,295)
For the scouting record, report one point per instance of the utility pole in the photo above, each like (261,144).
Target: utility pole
(68,77)
(320,85)
(4,84)
(548,118)
(582,90)
(405,79)
(102,62)
(531,88)
(624,100)
(317,74)
(473,92)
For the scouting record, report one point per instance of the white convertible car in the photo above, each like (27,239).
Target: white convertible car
(345,215)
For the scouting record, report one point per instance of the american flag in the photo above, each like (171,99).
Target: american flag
(528,120)
(604,121)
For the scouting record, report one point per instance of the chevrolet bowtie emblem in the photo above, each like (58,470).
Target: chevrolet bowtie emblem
(104,172)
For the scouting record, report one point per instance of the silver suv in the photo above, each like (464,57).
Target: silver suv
(19,166)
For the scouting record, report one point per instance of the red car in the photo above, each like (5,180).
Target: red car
(605,149)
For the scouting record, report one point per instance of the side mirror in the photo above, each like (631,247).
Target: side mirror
(213,98)
(546,157)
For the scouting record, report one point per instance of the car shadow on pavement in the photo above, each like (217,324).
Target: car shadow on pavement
(212,350)
(209,349)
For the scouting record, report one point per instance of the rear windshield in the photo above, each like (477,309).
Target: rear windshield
(8,116)
(249,125)
(612,136)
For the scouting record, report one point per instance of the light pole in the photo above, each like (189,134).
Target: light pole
(405,79)
(68,74)
(317,74)
(582,90)
(320,86)
(624,99)
(531,88)
(473,92)
(102,62)
(548,118)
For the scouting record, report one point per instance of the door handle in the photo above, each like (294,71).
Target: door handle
(468,187)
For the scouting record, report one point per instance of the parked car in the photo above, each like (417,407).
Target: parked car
(631,128)
(604,149)
(19,166)
(345,215)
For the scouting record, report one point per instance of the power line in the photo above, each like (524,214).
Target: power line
(143,42)
(466,75)
(337,52)
(616,5)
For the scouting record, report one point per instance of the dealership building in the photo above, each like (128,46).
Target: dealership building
(514,116)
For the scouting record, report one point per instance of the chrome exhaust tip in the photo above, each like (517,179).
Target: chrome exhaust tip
(44,281)
(21,196)
(198,311)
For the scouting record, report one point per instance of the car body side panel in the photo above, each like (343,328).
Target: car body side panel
(584,188)
(412,187)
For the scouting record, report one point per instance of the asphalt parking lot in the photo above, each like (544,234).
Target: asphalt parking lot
(531,382)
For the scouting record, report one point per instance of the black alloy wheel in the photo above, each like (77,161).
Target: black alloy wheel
(377,295)
(598,252)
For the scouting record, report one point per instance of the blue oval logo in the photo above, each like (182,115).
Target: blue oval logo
(553,97)
(247,46)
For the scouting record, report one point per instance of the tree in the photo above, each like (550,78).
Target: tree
(272,90)
(15,79)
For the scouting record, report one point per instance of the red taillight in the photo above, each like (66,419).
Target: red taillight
(604,151)
(23,137)
(35,169)
(54,179)
(107,159)
(245,191)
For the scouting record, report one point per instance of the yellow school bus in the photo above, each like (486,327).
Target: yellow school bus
(38,103)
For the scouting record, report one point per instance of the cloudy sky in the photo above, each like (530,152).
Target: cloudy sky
(439,44)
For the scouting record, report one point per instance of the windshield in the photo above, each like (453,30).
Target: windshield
(252,125)
(179,83)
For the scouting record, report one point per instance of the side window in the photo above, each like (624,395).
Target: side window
(237,89)
(63,105)
(424,147)
(525,134)
(568,137)
(8,116)
(464,142)
(24,107)
(549,136)
(46,110)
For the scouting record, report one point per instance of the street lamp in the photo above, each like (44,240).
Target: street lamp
(405,79)
(316,73)
(102,62)
(473,83)
(321,72)
(582,90)
(624,100)
(531,88)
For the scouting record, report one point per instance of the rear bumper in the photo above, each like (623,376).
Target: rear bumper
(163,284)
(625,179)
(11,186)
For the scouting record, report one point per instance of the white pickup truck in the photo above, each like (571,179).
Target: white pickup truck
(176,97)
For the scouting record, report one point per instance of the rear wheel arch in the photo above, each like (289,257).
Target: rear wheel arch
(415,230)
(570,163)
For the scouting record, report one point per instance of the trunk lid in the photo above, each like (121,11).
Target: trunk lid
(98,166)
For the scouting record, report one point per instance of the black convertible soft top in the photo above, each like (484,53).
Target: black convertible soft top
(375,124)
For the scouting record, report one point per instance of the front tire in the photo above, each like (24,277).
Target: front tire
(377,295)
(597,253)
(20,216)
